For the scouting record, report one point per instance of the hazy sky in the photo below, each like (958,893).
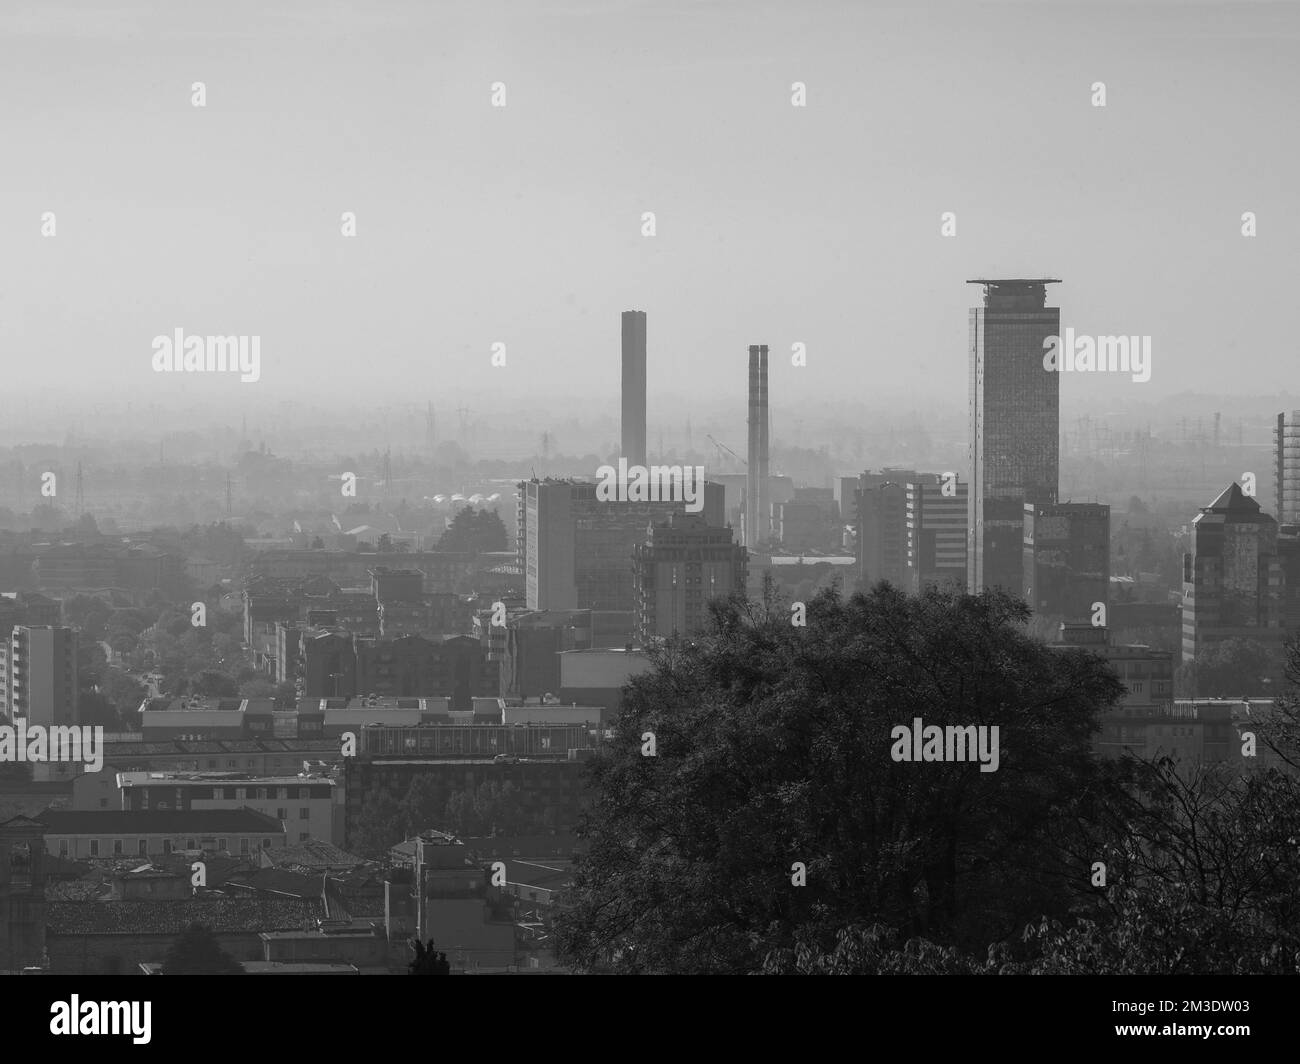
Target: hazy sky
(522,224)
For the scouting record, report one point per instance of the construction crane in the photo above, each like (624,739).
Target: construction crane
(723,447)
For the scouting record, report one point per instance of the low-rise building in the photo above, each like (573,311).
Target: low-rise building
(106,833)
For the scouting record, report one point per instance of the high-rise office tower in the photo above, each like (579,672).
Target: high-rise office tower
(1067,559)
(1286,468)
(634,387)
(757,517)
(1233,579)
(1014,425)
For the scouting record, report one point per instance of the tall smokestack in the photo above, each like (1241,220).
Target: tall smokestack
(756,507)
(634,387)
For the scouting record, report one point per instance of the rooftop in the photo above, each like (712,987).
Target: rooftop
(223,915)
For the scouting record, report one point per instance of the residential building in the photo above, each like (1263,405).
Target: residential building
(104,833)
(682,566)
(1233,578)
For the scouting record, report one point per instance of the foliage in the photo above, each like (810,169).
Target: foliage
(197,952)
(474,531)
(773,746)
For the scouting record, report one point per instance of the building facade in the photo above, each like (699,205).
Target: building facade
(682,565)
(1233,579)
(1014,425)
(1066,559)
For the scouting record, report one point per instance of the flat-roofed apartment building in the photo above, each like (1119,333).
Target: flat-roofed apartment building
(79,834)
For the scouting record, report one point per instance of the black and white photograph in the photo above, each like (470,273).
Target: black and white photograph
(651,487)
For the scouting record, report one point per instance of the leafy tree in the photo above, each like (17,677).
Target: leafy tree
(197,952)
(426,961)
(474,531)
(260,687)
(380,825)
(213,684)
(773,746)
(423,806)
(88,613)
(1236,668)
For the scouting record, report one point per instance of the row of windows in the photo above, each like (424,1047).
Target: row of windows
(142,845)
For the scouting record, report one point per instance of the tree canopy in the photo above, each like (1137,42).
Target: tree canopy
(773,751)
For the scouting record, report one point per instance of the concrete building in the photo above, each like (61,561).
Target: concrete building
(634,387)
(22,894)
(38,681)
(550,564)
(1014,425)
(597,677)
(1233,580)
(935,530)
(882,526)
(579,548)
(1066,559)
(534,642)
(1138,726)
(809,521)
(307,807)
(683,565)
(100,833)
(1286,468)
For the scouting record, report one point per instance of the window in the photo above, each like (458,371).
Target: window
(304,793)
(167,845)
(223,845)
(243,846)
(1136,687)
(117,847)
(303,836)
(281,813)
(230,763)
(304,813)
(190,844)
(63,848)
(94,847)
(212,762)
(266,844)
(143,848)
(103,803)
